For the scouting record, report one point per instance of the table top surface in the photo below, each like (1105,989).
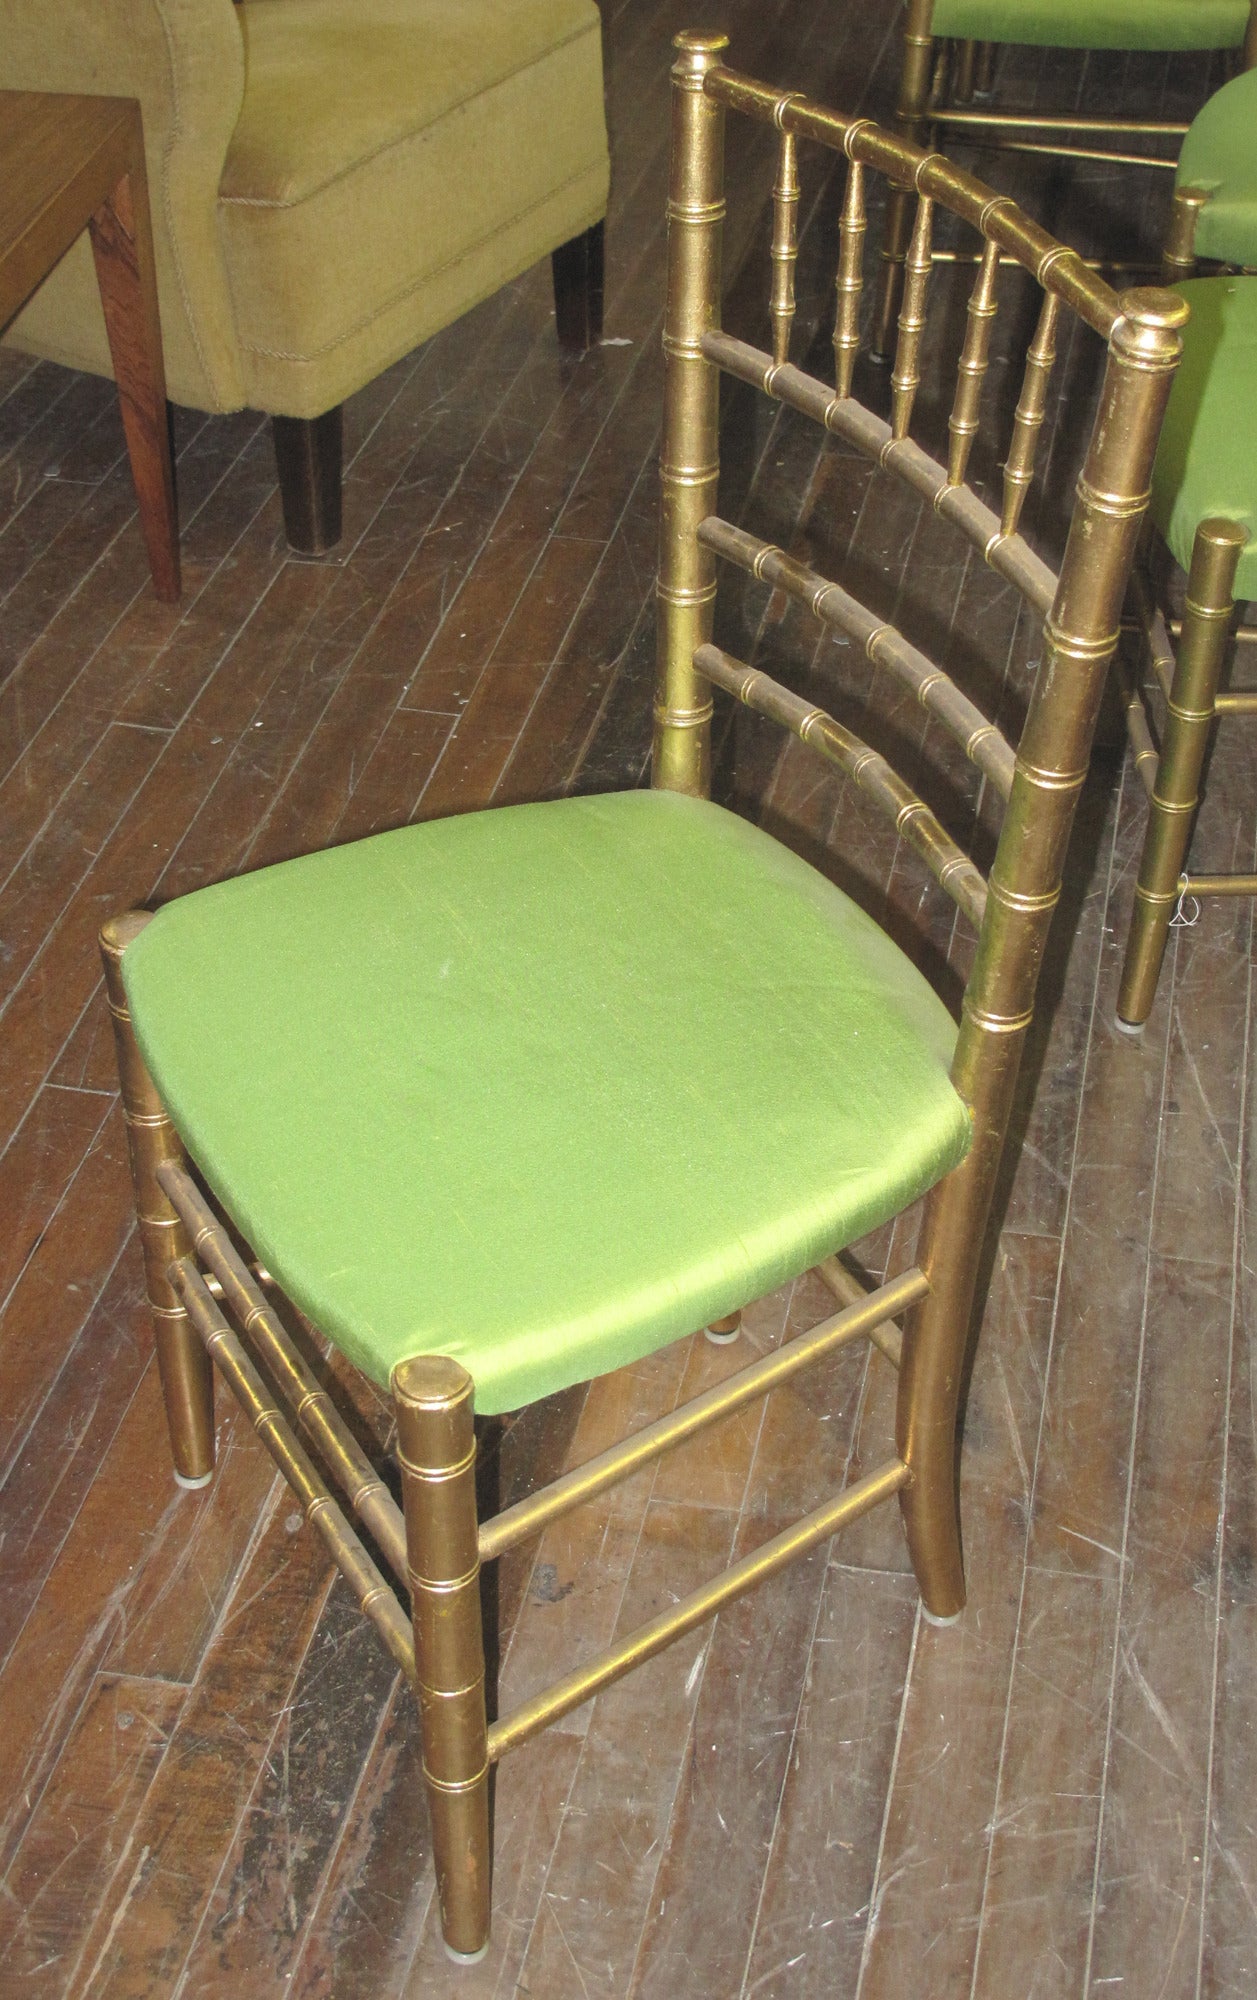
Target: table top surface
(59,156)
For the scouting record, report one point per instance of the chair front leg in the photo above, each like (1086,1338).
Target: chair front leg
(1185,739)
(187,1375)
(432,1398)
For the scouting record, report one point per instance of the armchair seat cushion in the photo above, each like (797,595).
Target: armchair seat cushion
(1096,24)
(1206,466)
(545,1087)
(440,148)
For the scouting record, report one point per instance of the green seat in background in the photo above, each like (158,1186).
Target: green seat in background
(1096,24)
(948,68)
(1207,463)
(1215,185)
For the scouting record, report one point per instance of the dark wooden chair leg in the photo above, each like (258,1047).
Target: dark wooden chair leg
(577,270)
(308,460)
(123,251)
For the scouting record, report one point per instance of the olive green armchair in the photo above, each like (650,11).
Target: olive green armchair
(332,181)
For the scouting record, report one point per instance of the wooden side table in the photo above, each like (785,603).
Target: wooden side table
(70,163)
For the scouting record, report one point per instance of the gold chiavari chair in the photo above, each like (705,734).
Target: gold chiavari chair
(949,48)
(504,1101)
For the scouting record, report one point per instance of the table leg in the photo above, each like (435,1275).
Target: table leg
(123,248)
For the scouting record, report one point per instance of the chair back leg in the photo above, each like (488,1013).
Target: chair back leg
(1189,718)
(187,1375)
(436,1442)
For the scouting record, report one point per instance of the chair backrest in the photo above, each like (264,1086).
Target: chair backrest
(1081,607)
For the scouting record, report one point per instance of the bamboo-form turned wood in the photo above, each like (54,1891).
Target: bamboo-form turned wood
(187,1377)
(311,1404)
(905,376)
(1190,714)
(1008,555)
(1178,252)
(1031,407)
(318,1502)
(688,461)
(981,741)
(785,244)
(971,371)
(849,283)
(436,1449)
(915,823)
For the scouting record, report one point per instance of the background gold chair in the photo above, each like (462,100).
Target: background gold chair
(1204,505)
(331,181)
(506,1100)
(936,89)
(1214,212)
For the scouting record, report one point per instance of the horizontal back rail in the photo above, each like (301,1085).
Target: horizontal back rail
(878,780)
(981,741)
(1080,609)
(1053,265)
(1008,555)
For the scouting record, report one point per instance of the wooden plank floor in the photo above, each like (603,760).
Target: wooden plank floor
(208,1773)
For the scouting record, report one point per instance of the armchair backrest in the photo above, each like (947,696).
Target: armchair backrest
(184,61)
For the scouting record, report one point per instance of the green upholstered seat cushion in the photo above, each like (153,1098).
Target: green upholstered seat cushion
(1207,461)
(1220,153)
(1096,24)
(546,1087)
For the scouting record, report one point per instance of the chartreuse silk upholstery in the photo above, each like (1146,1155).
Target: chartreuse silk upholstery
(543,1088)
(331,181)
(1207,460)
(1220,153)
(1096,24)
